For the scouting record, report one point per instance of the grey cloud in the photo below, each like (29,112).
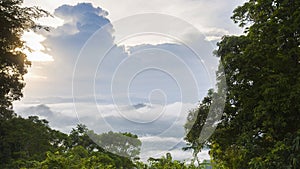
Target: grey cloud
(56,120)
(66,11)
(40,110)
(81,21)
(84,16)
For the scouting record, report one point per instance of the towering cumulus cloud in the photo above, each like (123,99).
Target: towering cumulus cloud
(80,22)
(64,44)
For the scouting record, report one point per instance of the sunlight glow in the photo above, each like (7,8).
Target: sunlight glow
(33,76)
(38,56)
(33,41)
(53,22)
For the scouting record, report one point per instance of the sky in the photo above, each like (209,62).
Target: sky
(129,66)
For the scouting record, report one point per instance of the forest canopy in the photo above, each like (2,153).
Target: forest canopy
(260,125)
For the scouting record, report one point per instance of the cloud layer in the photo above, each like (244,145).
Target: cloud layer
(158,136)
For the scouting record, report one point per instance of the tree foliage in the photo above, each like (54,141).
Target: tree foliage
(260,125)
(14,20)
(196,120)
(31,143)
(124,144)
(24,140)
(167,162)
(77,157)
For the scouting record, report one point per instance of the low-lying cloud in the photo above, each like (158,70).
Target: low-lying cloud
(161,135)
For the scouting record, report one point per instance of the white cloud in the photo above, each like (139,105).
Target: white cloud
(160,139)
(165,124)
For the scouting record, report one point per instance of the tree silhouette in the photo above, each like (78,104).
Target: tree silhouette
(14,20)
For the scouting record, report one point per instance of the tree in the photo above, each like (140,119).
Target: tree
(123,144)
(14,20)
(80,137)
(119,147)
(77,157)
(80,150)
(24,141)
(260,125)
(165,163)
(196,120)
